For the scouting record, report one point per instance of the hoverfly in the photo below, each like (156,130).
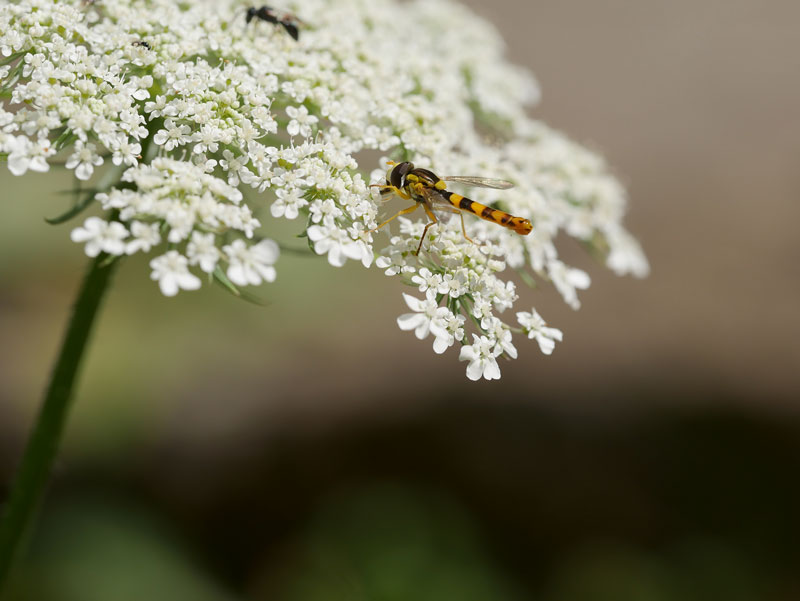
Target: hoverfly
(142,44)
(429,191)
(266,13)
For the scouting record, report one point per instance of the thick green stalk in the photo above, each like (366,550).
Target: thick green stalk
(34,471)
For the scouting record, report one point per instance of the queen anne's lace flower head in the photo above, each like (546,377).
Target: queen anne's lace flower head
(174,109)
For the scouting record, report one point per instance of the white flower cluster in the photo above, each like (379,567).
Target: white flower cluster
(192,105)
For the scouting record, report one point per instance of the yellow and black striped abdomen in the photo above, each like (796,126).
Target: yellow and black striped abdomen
(518,224)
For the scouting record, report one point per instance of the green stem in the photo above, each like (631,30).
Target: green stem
(37,461)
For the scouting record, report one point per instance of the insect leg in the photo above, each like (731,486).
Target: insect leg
(432,221)
(464,229)
(391,188)
(403,212)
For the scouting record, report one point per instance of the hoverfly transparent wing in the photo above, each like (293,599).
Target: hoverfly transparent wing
(437,201)
(479,182)
(441,202)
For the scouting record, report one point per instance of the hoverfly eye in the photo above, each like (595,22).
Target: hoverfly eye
(399,172)
(395,178)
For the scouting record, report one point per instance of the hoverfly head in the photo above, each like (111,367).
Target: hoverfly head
(398,172)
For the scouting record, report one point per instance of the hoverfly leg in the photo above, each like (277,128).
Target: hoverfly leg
(403,212)
(464,229)
(433,221)
(392,189)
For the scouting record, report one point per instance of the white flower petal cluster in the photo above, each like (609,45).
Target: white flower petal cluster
(211,120)
(536,328)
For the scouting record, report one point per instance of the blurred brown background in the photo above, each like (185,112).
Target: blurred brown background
(311,450)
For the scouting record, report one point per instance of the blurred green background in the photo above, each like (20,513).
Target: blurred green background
(309,450)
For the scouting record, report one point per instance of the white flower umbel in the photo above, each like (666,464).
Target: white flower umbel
(193,105)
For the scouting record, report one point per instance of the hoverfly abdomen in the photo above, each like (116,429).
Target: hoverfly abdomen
(487,212)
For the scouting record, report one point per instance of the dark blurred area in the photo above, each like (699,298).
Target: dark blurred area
(310,450)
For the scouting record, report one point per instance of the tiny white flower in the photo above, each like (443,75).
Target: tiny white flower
(452,329)
(336,243)
(126,152)
(25,155)
(207,139)
(250,265)
(173,135)
(626,255)
(325,211)
(537,329)
(101,236)
(425,280)
(157,107)
(568,281)
(425,318)
(288,203)
(454,285)
(481,308)
(172,273)
(301,121)
(202,251)
(482,356)
(145,236)
(362,239)
(84,160)
(234,165)
(394,265)
(504,295)
(499,331)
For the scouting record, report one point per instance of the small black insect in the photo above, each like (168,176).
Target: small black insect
(266,13)
(141,43)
